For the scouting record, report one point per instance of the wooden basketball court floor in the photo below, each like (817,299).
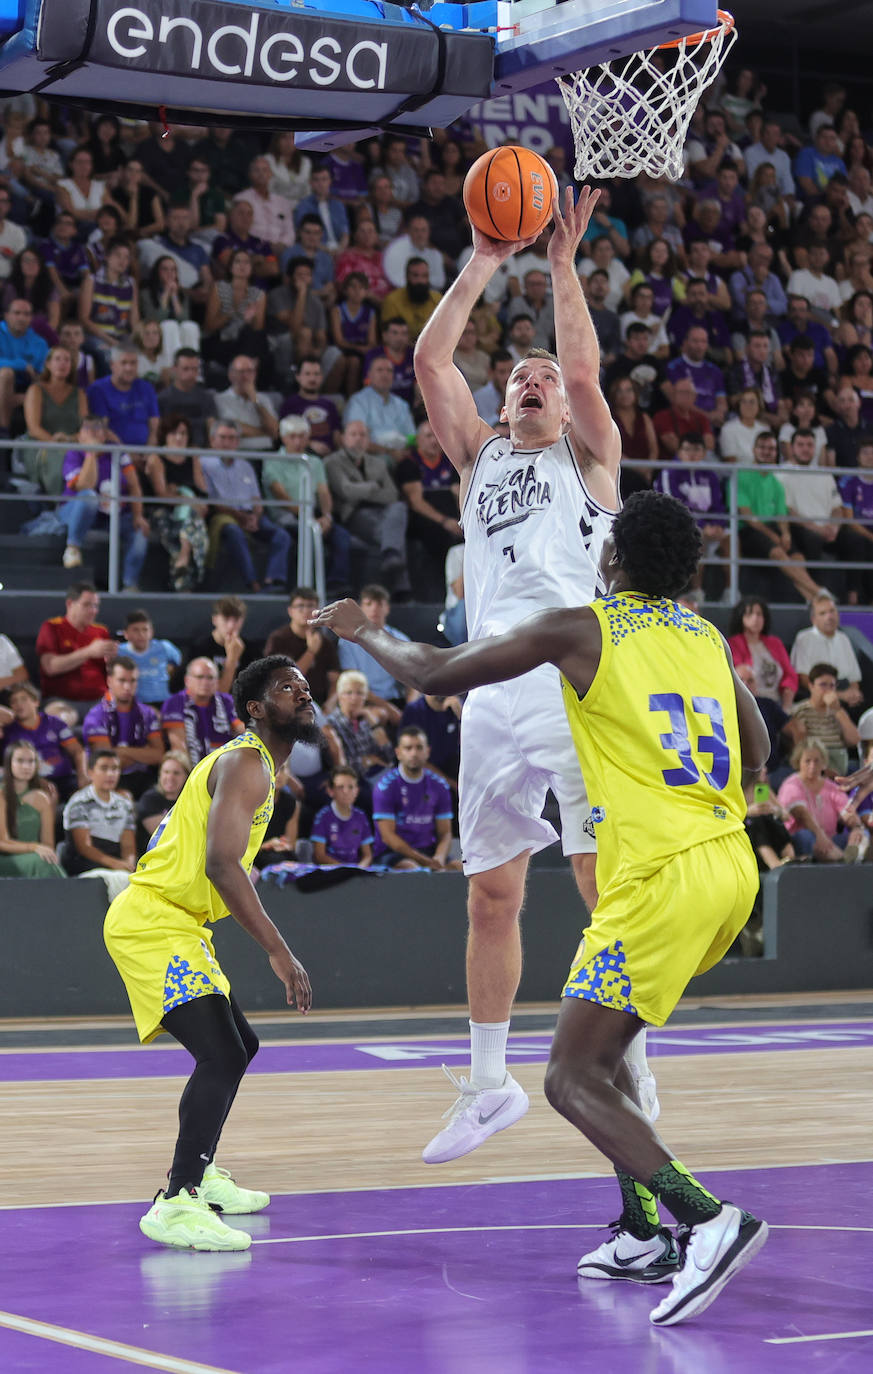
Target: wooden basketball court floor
(370,1260)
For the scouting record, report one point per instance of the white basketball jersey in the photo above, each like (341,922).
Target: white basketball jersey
(533,535)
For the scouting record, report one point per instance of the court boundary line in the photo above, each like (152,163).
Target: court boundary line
(487,1182)
(531,1226)
(411,1039)
(102,1345)
(826,1336)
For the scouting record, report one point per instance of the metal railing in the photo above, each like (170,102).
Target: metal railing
(310,543)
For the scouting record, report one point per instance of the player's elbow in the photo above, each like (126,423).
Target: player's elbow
(218,867)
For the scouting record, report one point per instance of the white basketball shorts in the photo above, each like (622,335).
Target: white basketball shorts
(515,745)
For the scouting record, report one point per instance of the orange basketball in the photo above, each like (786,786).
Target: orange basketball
(508,193)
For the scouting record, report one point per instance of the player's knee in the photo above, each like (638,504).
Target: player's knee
(571,1086)
(494,899)
(251,1044)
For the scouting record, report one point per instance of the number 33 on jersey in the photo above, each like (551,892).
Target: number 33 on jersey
(663,698)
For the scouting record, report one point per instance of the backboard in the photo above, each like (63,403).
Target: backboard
(332,70)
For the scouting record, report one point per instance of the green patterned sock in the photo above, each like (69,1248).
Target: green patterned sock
(640,1212)
(679,1190)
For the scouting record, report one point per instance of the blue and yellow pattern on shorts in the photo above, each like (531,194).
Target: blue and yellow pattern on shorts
(650,936)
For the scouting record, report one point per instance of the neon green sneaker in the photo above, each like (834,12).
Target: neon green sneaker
(220,1192)
(188,1223)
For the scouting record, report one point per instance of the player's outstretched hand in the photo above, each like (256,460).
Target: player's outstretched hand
(497,250)
(855,779)
(295,978)
(570,225)
(345,618)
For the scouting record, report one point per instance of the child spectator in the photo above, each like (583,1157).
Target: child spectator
(412,809)
(155,658)
(341,833)
(99,823)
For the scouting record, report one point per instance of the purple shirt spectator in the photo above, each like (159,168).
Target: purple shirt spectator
(74,459)
(415,807)
(319,412)
(348,178)
(859,495)
(713,321)
(733,211)
(697,489)
(131,727)
(69,260)
(811,330)
(126,412)
(443,730)
(47,739)
(707,378)
(206,727)
(403,384)
(342,838)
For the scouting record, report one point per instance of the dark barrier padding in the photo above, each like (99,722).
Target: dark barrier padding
(399,941)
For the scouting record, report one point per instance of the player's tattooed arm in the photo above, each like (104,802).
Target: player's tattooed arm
(568,638)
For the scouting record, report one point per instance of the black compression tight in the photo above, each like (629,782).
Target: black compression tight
(216,1033)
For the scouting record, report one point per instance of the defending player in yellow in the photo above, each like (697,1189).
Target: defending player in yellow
(196,870)
(663,728)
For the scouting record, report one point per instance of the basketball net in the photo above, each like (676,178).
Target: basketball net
(631,114)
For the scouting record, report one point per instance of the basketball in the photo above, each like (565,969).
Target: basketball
(508,193)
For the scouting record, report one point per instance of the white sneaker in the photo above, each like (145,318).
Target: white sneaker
(714,1251)
(627,1257)
(72,557)
(648,1091)
(477,1113)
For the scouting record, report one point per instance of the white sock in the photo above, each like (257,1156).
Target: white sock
(635,1055)
(488,1053)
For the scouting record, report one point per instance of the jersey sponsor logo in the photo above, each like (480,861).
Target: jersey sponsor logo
(519,494)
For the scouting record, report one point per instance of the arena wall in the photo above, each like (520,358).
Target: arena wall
(399,942)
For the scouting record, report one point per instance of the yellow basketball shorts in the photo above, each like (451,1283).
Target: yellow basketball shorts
(164,957)
(650,936)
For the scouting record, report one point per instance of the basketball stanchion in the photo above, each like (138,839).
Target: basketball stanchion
(631,114)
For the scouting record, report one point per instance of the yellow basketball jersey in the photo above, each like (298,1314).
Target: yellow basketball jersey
(174,865)
(657,736)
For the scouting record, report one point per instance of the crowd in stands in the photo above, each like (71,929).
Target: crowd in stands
(210,289)
(95,756)
(218,292)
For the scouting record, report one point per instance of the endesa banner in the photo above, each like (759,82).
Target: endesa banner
(536,119)
(297,48)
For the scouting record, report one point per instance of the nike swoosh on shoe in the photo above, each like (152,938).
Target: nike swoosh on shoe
(483,1120)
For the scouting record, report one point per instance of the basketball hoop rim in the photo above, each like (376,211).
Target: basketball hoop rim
(726,22)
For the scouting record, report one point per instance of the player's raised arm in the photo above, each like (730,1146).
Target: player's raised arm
(541,638)
(451,409)
(239,789)
(575,337)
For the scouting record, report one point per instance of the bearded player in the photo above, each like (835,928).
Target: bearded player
(535,509)
(196,871)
